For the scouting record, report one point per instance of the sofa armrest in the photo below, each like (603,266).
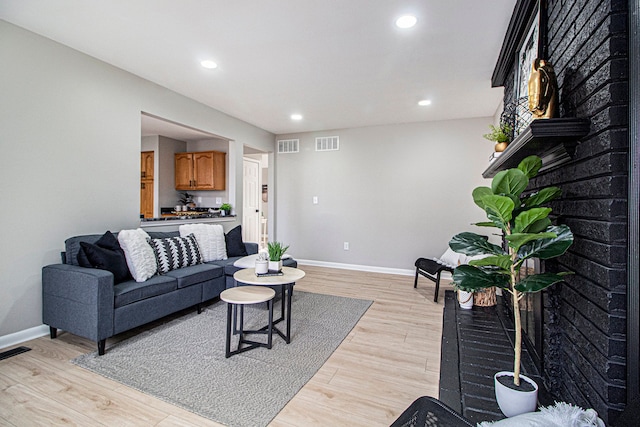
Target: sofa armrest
(78,300)
(252,248)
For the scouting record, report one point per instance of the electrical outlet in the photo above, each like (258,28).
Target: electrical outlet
(218,200)
(346,246)
(199,199)
(315,200)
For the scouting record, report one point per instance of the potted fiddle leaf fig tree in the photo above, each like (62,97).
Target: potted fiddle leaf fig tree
(528,233)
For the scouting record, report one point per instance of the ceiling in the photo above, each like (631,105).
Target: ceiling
(338,63)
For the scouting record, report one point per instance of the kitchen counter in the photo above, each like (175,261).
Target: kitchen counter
(177,219)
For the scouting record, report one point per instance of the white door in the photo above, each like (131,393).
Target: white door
(252,193)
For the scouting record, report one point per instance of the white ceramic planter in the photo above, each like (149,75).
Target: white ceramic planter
(514,402)
(262,267)
(465,299)
(275,265)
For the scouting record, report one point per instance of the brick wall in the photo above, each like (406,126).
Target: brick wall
(585,320)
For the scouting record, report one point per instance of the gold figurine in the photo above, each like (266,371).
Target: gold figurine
(543,90)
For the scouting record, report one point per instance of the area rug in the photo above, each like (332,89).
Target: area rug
(182,362)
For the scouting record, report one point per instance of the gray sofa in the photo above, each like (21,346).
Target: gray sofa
(84,301)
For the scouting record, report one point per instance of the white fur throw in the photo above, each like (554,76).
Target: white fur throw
(560,415)
(210,238)
(139,255)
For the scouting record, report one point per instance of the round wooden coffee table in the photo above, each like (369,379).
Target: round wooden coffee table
(284,283)
(239,297)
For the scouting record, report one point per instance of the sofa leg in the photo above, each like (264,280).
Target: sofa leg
(53,332)
(415,282)
(199,307)
(101,345)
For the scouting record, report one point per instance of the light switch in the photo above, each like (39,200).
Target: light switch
(315,200)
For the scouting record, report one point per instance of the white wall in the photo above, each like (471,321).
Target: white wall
(395,193)
(70,162)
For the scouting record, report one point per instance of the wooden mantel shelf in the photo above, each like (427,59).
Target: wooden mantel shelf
(553,140)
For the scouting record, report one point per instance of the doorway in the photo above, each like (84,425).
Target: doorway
(255,199)
(251,211)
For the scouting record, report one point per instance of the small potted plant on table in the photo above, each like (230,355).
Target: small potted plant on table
(276,250)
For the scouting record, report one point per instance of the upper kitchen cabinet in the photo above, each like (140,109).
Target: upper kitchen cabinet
(203,170)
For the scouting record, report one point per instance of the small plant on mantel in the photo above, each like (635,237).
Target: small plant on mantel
(501,135)
(528,233)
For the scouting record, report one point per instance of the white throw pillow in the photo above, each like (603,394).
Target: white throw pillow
(451,258)
(138,253)
(210,238)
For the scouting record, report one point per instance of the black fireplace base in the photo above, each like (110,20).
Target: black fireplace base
(476,344)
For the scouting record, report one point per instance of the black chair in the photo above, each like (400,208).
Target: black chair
(429,411)
(431,270)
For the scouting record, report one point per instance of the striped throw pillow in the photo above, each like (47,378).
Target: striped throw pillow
(176,252)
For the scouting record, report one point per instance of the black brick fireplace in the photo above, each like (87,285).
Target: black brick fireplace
(589,325)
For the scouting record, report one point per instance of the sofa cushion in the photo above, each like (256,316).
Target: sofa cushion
(138,252)
(235,245)
(131,291)
(176,252)
(195,274)
(210,238)
(105,254)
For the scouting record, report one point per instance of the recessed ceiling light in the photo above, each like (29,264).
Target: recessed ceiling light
(424,102)
(406,21)
(296,117)
(209,64)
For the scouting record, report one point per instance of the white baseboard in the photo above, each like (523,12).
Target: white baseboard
(369,268)
(400,271)
(22,336)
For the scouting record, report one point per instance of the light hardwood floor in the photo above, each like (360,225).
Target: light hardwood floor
(390,358)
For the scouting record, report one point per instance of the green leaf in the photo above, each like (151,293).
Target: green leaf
(501,261)
(541,197)
(548,248)
(516,240)
(479,193)
(485,224)
(526,218)
(510,181)
(539,226)
(473,244)
(538,282)
(530,166)
(499,210)
(469,278)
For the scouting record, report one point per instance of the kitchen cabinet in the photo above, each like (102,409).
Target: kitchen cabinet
(202,170)
(146,165)
(146,184)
